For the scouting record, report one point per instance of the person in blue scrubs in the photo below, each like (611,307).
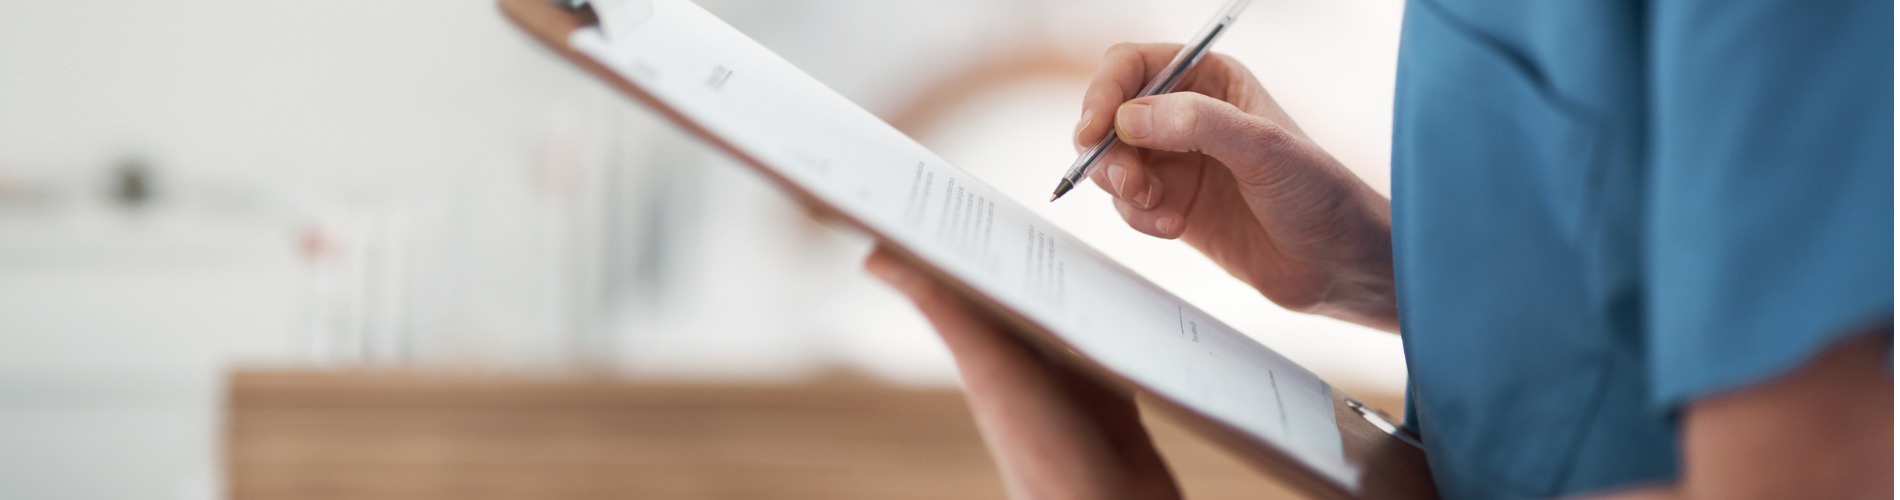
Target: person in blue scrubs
(1633,248)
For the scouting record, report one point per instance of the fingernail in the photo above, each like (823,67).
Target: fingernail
(1164,225)
(1133,120)
(1088,117)
(1118,176)
(1147,197)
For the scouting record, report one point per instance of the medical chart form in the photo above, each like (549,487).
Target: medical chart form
(811,136)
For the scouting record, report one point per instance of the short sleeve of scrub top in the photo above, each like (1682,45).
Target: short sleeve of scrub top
(1603,211)
(1771,223)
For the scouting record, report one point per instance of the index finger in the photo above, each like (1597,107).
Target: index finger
(1125,69)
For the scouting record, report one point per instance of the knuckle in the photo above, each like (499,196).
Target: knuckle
(1230,62)
(1271,138)
(1267,145)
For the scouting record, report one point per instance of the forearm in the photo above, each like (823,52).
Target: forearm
(1823,431)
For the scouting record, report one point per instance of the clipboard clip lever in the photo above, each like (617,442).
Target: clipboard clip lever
(1379,420)
(615,17)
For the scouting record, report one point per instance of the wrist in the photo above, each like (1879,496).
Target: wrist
(1360,283)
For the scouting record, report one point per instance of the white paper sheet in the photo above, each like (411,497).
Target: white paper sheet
(770,110)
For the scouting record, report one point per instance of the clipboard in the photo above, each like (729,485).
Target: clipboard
(1382,460)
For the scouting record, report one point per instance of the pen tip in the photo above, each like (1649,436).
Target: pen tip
(1062,188)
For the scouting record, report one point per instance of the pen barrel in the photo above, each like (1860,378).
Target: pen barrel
(1080,169)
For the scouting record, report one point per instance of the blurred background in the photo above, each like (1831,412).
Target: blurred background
(245,246)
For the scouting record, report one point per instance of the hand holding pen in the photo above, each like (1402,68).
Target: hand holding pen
(1219,165)
(1164,81)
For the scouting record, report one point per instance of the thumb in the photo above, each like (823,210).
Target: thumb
(1191,122)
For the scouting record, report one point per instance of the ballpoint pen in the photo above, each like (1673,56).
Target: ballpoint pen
(1163,83)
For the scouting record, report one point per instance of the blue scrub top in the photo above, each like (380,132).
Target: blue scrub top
(1604,210)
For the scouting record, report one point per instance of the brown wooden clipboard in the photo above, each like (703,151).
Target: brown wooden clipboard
(1388,467)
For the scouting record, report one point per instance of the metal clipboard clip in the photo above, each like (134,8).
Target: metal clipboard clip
(615,16)
(1384,424)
